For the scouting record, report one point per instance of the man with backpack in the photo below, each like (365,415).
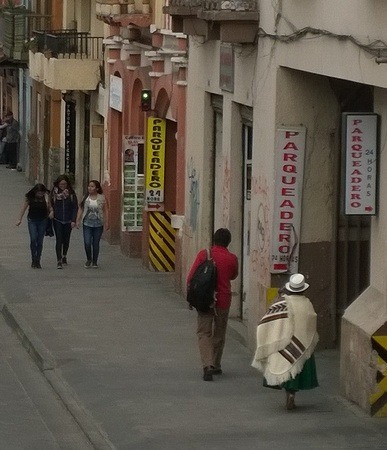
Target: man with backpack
(213,316)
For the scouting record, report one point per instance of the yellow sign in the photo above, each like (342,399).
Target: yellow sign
(155,160)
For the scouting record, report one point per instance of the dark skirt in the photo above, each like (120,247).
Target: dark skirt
(306,379)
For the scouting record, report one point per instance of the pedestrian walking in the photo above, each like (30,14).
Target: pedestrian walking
(11,140)
(93,215)
(65,205)
(286,339)
(39,210)
(212,325)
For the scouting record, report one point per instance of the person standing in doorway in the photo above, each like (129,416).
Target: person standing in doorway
(11,140)
(286,339)
(212,325)
(93,214)
(65,204)
(39,210)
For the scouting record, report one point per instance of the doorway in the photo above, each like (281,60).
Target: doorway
(353,232)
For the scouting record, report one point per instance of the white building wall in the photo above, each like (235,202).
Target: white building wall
(336,50)
(203,80)
(322,39)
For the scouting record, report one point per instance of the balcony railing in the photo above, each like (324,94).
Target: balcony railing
(216,5)
(68,44)
(18,28)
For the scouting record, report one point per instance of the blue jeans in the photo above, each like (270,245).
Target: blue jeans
(37,230)
(91,237)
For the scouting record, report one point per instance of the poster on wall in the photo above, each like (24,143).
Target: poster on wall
(115,93)
(361,142)
(289,175)
(133,183)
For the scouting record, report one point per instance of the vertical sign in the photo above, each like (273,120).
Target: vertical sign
(289,172)
(155,162)
(70,137)
(115,93)
(361,163)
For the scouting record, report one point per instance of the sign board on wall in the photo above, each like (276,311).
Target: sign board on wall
(133,183)
(115,97)
(289,174)
(155,161)
(361,132)
(226,67)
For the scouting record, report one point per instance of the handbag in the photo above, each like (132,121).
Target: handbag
(49,228)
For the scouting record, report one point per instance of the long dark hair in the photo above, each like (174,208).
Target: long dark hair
(31,194)
(65,178)
(97,185)
(99,191)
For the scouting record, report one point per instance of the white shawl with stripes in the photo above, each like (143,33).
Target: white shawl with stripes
(286,338)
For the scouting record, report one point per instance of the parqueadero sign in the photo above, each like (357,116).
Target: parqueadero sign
(361,143)
(155,167)
(289,173)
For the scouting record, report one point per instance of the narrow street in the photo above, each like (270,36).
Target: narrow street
(118,346)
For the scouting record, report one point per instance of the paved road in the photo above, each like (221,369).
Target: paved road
(118,345)
(31,415)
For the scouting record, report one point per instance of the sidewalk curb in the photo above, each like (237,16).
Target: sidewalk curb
(46,363)
(34,346)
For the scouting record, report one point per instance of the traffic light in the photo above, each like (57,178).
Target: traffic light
(146,99)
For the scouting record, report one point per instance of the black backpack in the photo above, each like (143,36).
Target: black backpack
(201,289)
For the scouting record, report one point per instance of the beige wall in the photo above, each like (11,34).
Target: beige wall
(284,97)
(364,20)
(203,80)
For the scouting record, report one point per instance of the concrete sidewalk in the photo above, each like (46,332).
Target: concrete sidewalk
(119,347)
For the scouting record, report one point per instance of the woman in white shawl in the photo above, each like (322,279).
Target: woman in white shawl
(286,338)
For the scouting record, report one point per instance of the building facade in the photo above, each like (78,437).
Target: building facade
(142,53)
(66,66)
(269,155)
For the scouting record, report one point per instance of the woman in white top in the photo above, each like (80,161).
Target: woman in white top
(92,213)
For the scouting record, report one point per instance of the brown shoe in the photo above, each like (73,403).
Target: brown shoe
(290,401)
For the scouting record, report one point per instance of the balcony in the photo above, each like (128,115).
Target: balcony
(234,21)
(124,12)
(58,57)
(18,27)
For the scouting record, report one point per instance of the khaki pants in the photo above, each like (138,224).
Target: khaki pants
(211,332)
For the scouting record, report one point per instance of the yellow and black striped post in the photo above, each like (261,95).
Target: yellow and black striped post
(161,242)
(379,398)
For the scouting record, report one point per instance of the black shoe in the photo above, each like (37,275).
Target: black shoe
(217,371)
(64,260)
(87,264)
(59,265)
(37,265)
(207,374)
(33,265)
